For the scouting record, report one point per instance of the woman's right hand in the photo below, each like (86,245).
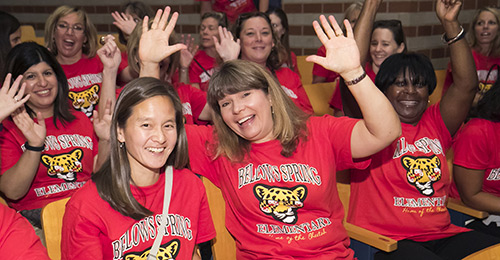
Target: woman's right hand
(342,54)
(227,48)
(154,44)
(124,22)
(33,132)
(10,98)
(110,54)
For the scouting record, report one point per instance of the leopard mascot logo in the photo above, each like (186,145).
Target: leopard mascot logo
(281,203)
(167,251)
(64,166)
(86,100)
(422,172)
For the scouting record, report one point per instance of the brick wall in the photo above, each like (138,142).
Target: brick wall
(420,24)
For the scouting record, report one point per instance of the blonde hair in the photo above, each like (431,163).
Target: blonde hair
(89,48)
(240,75)
(471,34)
(133,50)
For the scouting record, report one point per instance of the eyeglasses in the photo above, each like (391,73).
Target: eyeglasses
(63,27)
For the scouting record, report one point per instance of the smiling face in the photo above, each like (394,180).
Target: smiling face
(408,98)
(15,38)
(69,38)
(248,114)
(256,40)
(486,28)
(150,135)
(41,84)
(383,45)
(208,29)
(277,26)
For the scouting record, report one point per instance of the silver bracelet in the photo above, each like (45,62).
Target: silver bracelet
(459,36)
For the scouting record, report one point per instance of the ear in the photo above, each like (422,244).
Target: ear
(120,134)
(401,48)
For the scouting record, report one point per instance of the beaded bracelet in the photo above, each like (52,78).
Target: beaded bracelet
(356,80)
(459,36)
(34,148)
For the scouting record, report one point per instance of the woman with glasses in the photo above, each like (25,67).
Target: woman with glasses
(72,38)
(257,42)
(484,38)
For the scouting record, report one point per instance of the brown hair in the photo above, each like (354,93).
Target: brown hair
(240,75)
(114,178)
(89,48)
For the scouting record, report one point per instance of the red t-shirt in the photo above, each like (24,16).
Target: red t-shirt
(478,147)
(283,207)
(232,8)
(336,101)
(318,70)
(403,193)
(197,74)
(292,85)
(85,82)
(17,237)
(193,101)
(483,65)
(65,164)
(93,230)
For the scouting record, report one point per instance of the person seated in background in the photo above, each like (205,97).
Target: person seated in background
(10,35)
(408,182)
(257,42)
(476,162)
(321,74)
(279,21)
(131,14)
(48,150)
(258,129)
(71,36)
(484,38)
(206,58)
(232,8)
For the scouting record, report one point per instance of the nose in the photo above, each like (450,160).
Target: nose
(159,135)
(410,88)
(43,81)
(378,47)
(259,37)
(237,107)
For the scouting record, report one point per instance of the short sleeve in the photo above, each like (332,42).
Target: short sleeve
(471,147)
(199,138)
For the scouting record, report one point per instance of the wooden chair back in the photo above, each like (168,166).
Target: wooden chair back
(436,95)
(319,95)
(489,253)
(28,35)
(305,69)
(52,217)
(224,246)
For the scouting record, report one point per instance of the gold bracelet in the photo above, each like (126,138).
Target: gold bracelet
(356,80)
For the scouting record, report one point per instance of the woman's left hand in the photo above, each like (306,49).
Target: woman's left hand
(187,54)
(102,126)
(110,54)
(227,48)
(124,22)
(10,98)
(342,54)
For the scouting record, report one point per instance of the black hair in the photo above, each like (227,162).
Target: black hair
(488,107)
(418,67)
(9,26)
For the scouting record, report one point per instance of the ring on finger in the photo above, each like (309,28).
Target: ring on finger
(339,34)
(16,99)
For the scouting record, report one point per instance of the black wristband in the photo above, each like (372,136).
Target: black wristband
(34,148)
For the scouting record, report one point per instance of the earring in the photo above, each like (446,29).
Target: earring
(272,110)
(122,144)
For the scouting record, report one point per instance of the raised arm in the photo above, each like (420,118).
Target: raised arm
(154,46)
(362,35)
(227,48)
(15,182)
(186,58)
(380,125)
(110,58)
(456,102)
(11,97)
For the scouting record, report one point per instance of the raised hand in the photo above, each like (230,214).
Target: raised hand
(154,44)
(110,54)
(124,22)
(448,10)
(187,54)
(228,49)
(33,132)
(342,54)
(10,98)
(102,125)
